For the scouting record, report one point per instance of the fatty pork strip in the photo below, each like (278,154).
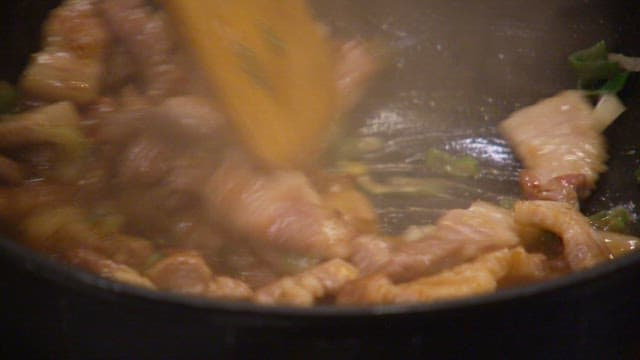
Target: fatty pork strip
(277,210)
(560,144)
(71,64)
(186,272)
(583,246)
(147,40)
(480,276)
(460,235)
(306,288)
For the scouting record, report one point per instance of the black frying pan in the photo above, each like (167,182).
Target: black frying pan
(461,67)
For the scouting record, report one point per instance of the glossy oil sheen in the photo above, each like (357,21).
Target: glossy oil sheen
(458,68)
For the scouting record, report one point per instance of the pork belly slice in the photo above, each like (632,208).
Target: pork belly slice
(150,44)
(583,246)
(107,268)
(277,210)
(460,235)
(186,272)
(560,143)
(306,288)
(480,276)
(71,63)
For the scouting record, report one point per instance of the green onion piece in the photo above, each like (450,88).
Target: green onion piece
(617,219)
(612,86)
(592,65)
(357,148)
(445,163)
(408,186)
(353,168)
(8,98)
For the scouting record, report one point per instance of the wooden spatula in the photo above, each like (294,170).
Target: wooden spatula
(271,67)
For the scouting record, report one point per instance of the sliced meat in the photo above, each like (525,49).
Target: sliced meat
(583,246)
(222,287)
(147,160)
(278,210)
(193,233)
(243,262)
(183,272)
(560,144)
(370,253)
(427,256)
(129,250)
(306,288)
(356,66)
(70,67)
(353,205)
(527,268)
(483,227)
(146,36)
(193,116)
(460,235)
(480,276)
(102,266)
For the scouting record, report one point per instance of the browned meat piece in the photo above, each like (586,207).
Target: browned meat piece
(18,202)
(129,250)
(527,268)
(183,272)
(222,287)
(75,26)
(58,229)
(121,125)
(147,160)
(427,256)
(481,228)
(480,276)
(583,246)
(460,235)
(559,141)
(145,35)
(193,116)
(354,206)
(568,188)
(356,66)
(190,170)
(71,64)
(11,172)
(102,266)
(118,70)
(277,210)
(370,253)
(306,288)
(245,265)
(186,272)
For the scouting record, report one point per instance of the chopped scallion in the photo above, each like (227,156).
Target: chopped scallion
(617,219)
(445,163)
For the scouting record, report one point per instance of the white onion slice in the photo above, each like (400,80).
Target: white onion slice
(608,109)
(626,62)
